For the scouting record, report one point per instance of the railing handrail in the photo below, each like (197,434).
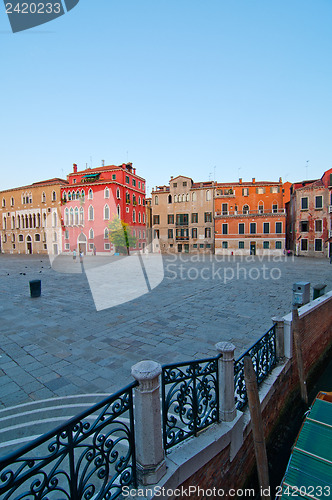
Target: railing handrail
(253,345)
(72,421)
(184,363)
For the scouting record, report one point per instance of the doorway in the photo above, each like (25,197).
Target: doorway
(252,248)
(81,243)
(180,247)
(29,245)
(186,248)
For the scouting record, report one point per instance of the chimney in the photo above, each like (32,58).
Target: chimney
(253,180)
(240,180)
(171,177)
(103,163)
(75,168)
(280,179)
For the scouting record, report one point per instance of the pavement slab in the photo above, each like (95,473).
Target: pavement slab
(59,344)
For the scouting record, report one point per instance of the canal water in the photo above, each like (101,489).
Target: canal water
(281,442)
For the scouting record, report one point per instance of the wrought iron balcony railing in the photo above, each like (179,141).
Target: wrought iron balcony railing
(90,456)
(190,399)
(264,358)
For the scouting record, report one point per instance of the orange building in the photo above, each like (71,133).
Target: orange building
(250,217)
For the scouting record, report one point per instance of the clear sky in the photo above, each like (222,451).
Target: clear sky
(204,88)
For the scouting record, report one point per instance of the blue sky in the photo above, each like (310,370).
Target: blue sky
(224,88)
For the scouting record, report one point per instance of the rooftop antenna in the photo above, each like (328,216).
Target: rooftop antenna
(103,163)
(306,169)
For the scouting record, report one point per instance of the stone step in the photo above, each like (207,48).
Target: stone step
(44,403)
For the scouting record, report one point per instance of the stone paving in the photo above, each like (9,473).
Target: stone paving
(58,344)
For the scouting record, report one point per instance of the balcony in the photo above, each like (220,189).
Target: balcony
(236,213)
(182,238)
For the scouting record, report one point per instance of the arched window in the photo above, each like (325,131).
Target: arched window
(53,196)
(134,216)
(106,192)
(139,216)
(260,207)
(194,196)
(76,216)
(156,200)
(12,202)
(139,200)
(34,220)
(118,193)
(175,198)
(208,195)
(73,196)
(245,209)
(169,198)
(55,236)
(187,197)
(5,223)
(90,195)
(77,195)
(71,218)
(69,196)
(83,195)
(143,218)
(3,202)
(91,234)
(66,217)
(118,211)
(39,220)
(13,221)
(106,212)
(81,216)
(183,197)
(44,220)
(106,233)
(91,212)
(55,219)
(64,196)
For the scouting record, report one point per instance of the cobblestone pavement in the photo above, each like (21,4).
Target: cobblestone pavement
(58,344)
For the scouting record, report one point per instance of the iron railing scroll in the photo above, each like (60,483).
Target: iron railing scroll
(92,456)
(264,358)
(190,399)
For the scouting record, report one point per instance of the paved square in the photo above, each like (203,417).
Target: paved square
(59,344)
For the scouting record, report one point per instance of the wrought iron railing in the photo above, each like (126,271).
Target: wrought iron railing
(92,456)
(264,358)
(190,399)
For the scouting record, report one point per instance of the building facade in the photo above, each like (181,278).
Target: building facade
(182,216)
(250,217)
(310,217)
(93,198)
(30,218)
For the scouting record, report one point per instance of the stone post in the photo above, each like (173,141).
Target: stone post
(227,409)
(280,340)
(150,457)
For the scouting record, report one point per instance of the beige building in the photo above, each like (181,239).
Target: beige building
(30,221)
(182,216)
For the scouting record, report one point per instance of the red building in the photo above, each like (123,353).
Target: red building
(93,198)
(310,217)
(250,217)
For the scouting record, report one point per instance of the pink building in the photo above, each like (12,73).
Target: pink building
(91,200)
